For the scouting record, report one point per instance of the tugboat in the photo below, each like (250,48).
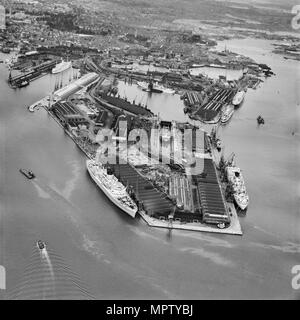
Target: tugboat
(218,145)
(24,83)
(260,120)
(28,174)
(41,245)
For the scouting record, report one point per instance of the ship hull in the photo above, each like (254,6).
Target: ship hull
(242,207)
(129,211)
(155,89)
(240,195)
(238,98)
(225,119)
(226,116)
(61,69)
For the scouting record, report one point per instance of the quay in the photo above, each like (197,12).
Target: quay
(195,200)
(35,73)
(233,229)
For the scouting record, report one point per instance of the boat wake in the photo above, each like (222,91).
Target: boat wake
(51,279)
(48,277)
(47,192)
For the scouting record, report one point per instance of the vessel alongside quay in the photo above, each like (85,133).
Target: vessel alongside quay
(238,188)
(111,187)
(62,66)
(227,113)
(238,98)
(154,87)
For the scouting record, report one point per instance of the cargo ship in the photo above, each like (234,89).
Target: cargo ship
(62,66)
(238,98)
(236,181)
(154,87)
(111,187)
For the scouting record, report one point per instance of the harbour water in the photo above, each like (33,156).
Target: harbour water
(114,256)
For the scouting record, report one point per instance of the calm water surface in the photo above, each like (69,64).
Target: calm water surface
(107,254)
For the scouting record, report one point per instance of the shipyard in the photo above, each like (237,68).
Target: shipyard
(193,190)
(189,196)
(144,149)
(182,183)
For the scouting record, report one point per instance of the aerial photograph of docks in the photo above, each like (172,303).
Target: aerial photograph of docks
(149,150)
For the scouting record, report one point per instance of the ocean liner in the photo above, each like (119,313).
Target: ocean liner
(112,187)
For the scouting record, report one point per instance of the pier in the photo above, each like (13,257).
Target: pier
(35,73)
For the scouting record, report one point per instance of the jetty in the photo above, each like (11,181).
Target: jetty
(34,73)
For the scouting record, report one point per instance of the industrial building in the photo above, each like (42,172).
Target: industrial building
(75,86)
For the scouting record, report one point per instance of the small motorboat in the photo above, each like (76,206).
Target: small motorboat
(41,245)
(218,145)
(260,120)
(28,174)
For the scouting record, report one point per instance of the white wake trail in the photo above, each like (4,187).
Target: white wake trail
(49,281)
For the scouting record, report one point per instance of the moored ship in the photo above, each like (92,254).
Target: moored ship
(23,84)
(154,87)
(227,113)
(112,187)
(236,181)
(62,66)
(238,98)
